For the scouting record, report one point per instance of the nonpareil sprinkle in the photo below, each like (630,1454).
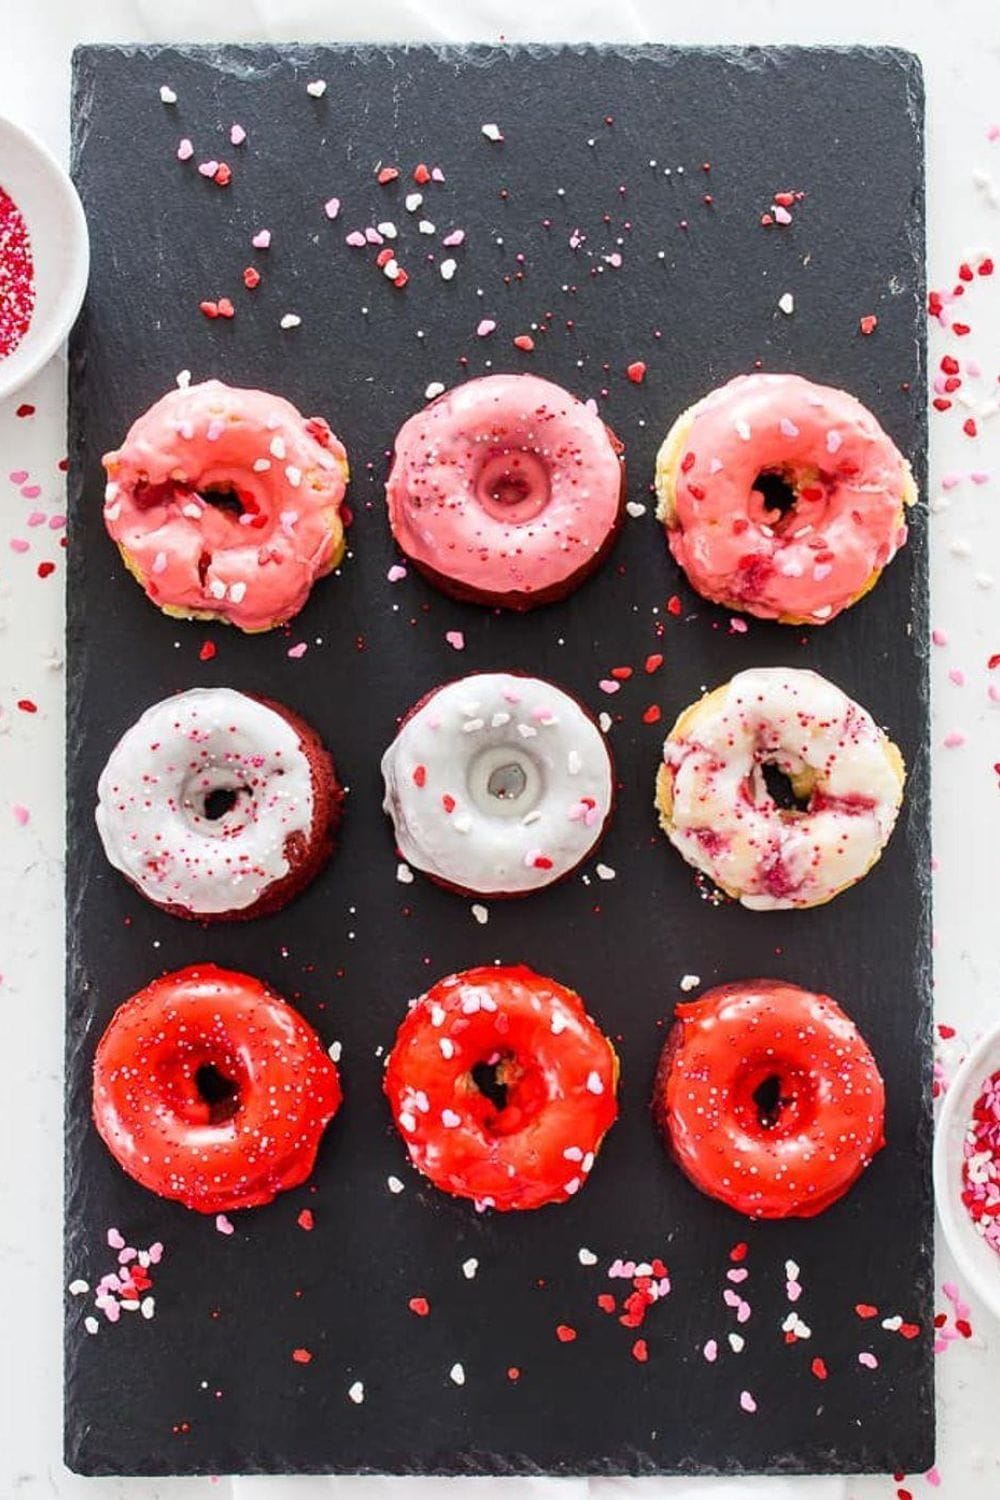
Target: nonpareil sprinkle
(17,276)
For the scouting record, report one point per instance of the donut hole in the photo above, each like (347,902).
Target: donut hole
(775,1098)
(774,498)
(219,1092)
(223,498)
(486,1077)
(786,792)
(505,1092)
(767,1098)
(513,485)
(505,781)
(220,801)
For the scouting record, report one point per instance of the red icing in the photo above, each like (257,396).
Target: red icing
(506,488)
(765,1159)
(251,561)
(851,483)
(559,1072)
(159,1125)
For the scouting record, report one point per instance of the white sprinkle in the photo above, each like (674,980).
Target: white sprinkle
(492,132)
(450,1119)
(147,1307)
(290,320)
(408,1121)
(605,721)
(833,440)
(787,303)
(391,269)
(261,465)
(481,914)
(473,726)
(595,1084)
(238,592)
(167,94)
(394,1185)
(413,202)
(217,588)
(788,428)
(356,1393)
(635,508)
(690,982)
(499,720)
(435,388)
(426,227)
(742,430)
(404,874)
(91,1324)
(586,1257)
(527,731)
(574,763)
(558,1023)
(737,1342)
(317,88)
(331,207)
(470,1267)
(447,1047)
(387,229)
(457,1374)
(448,269)
(294,475)
(335,1050)
(78,1287)
(605,872)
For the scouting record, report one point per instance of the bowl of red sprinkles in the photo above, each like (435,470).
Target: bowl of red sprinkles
(967,1168)
(44,256)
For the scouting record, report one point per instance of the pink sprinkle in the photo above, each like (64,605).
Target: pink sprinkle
(957,676)
(781,214)
(31,491)
(868,1360)
(297,651)
(437,175)
(57,522)
(932,1477)
(21,814)
(793,1290)
(737,1274)
(36,517)
(609,685)
(331,207)
(747,1402)
(116,1239)
(939,636)
(237,134)
(737,626)
(396,573)
(993,133)
(355,238)
(614,259)
(18,544)
(155,1253)
(224,1225)
(160,563)
(485,327)
(208,168)
(19,476)
(373,237)
(954,740)
(980,476)
(262,239)
(455,639)
(711,1351)
(993,693)
(185,150)
(456,237)
(949,481)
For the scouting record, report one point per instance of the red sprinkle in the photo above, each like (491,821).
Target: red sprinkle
(388,174)
(969,427)
(420,775)
(818,1368)
(865,1310)
(564,1333)
(208,650)
(524,341)
(17,276)
(868,323)
(606,1302)
(25,410)
(654,663)
(420,1306)
(651,714)
(621,674)
(421,173)
(636,372)
(251,278)
(305,1219)
(301,1356)
(513,1373)
(674,604)
(27,706)
(640,1351)
(45,568)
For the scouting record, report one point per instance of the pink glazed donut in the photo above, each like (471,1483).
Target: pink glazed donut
(782,498)
(506,490)
(225,504)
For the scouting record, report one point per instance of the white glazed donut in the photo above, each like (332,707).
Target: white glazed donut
(498,784)
(215,804)
(716,809)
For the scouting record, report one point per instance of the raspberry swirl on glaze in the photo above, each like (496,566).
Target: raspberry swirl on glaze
(717,810)
(209,1088)
(506,490)
(769,1098)
(502,1088)
(498,784)
(217,805)
(225,504)
(782,498)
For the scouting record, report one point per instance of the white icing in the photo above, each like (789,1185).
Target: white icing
(151,800)
(533,742)
(797,721)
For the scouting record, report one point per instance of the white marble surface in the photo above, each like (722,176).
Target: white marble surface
(959,41)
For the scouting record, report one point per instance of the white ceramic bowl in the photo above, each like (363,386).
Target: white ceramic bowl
(59,247)
(978,1263)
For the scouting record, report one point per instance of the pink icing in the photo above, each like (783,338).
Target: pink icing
(251,563)
(846,524)
(506,486)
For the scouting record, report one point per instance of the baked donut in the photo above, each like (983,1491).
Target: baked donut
(209,1088)
(717,810)
(225,504)
(218,806)
(498,784)
(506,490)
(502,1087)
(769,1099)
(782,498)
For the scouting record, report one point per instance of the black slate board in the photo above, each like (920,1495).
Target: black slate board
(209,1384)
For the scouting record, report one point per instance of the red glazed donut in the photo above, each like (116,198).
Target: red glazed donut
(502,1087)
(210,1089)
(769,1099)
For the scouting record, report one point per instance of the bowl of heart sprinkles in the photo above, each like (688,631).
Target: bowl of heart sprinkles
(44,256)
(967,1169)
